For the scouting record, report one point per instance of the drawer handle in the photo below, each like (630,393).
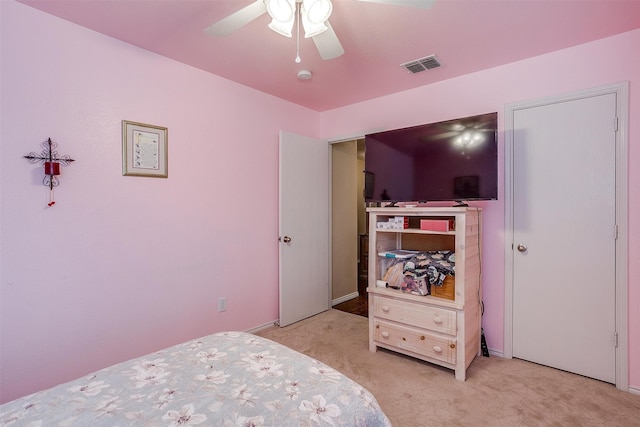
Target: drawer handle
(385,308)
(437,349)
(437,320)
(385,334)
(422,338)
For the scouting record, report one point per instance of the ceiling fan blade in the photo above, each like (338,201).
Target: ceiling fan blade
(424,4)
(444,135)
(237,19)
(328,44)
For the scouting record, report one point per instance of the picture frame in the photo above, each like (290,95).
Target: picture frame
(144,150)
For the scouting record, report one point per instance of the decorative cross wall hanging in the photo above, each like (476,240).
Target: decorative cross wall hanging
(51,161)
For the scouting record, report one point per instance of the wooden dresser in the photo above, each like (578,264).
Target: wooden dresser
(438,330)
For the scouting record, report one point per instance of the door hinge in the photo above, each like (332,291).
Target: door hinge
(615,339)
(615,231)
(615,124)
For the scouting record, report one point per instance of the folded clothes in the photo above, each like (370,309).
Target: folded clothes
(429,266)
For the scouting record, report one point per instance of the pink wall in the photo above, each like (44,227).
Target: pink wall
(600,63)
(122,266)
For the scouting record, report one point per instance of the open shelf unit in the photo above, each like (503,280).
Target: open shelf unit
(443,331)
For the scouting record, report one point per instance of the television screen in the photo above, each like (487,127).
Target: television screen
(453,160)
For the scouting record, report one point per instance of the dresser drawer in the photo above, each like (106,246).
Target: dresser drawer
(416,341)
(415,314)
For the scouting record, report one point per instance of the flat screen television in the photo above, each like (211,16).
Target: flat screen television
(453,160)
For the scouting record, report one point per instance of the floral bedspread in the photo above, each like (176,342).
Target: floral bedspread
(225,379)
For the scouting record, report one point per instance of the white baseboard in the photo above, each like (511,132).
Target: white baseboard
(632,390)
(275,322)
(496,353)
(344,298)
(261,327)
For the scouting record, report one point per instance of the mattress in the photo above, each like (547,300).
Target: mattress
(224,379)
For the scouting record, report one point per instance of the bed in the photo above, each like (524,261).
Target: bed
(224,379)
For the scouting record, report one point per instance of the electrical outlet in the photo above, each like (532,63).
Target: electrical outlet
(222,304)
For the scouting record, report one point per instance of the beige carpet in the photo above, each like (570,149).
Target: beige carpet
(497,392)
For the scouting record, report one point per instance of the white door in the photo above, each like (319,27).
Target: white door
(304,227)
(564,235)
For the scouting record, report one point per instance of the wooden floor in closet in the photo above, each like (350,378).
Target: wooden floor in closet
(358,305)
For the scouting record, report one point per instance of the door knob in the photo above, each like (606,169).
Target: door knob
(522,248)
(285,239)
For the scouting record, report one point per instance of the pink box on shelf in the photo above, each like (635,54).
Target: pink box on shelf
(437,224)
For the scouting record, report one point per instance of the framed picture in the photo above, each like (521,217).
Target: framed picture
(144,150)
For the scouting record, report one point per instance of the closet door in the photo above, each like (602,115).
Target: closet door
(564,235)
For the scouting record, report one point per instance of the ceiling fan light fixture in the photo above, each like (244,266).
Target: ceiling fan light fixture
(314,14)
(281,10)
(283,28)
(311,29)
(317,11)
(283,14)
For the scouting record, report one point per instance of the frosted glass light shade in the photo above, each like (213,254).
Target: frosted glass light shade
(283,14)
(314,15)
(283,28)
(317,11)
(281,10)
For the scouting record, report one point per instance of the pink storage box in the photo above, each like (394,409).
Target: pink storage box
(437,224)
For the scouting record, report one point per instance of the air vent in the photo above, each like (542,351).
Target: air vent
(422,64)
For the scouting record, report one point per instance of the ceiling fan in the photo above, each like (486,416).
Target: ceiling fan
(314,15)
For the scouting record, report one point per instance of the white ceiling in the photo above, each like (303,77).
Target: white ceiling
(466,35)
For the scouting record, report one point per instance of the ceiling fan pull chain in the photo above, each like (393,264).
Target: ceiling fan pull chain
(298,60)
